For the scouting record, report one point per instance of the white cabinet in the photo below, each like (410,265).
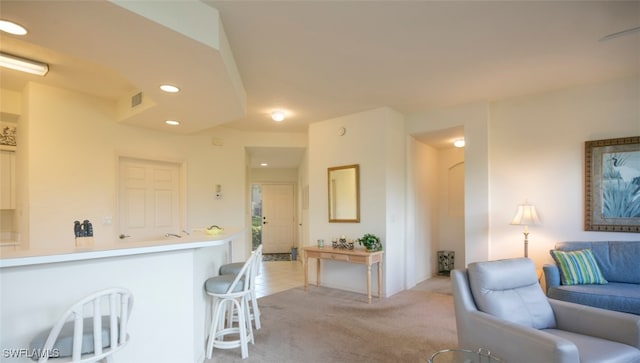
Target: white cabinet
(7,179)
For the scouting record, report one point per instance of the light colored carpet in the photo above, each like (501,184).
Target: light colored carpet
(329,325)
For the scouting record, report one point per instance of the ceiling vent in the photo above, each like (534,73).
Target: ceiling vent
(136,99)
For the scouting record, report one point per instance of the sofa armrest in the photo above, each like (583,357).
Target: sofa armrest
(606,324)
(551,276)
(516,343)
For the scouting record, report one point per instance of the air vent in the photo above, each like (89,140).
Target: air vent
(136,99)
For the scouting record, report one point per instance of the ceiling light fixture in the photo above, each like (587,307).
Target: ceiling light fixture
(12,28)
(23,64)
(169,88)
(172,122)
(459,143)
(264,164)
(277,116)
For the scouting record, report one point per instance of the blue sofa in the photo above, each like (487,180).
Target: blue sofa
(620,266)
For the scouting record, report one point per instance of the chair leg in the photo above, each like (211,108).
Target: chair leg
(247,318)
(256,310)
(221,325)
(242,328)
(217,314)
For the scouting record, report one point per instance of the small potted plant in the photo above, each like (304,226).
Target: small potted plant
(370,242)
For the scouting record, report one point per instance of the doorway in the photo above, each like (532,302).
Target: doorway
(438,194)
(273,217)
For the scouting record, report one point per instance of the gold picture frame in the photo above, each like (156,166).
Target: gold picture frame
(612,185)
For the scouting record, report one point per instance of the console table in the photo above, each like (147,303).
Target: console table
(358,256)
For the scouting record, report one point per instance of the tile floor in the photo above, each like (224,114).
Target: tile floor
(277,276)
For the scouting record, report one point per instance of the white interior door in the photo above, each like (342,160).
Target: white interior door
(149,199)
(278,218)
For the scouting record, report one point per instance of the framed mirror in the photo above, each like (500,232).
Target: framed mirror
(344,194)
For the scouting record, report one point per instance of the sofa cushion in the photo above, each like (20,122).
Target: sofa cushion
(618,260)
(509,289)
(612,296)
(578,267)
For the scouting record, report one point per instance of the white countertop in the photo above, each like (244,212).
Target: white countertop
(119,248)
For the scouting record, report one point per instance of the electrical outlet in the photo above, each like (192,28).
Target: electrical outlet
(107,221)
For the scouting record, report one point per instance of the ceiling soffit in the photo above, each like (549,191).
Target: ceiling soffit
(141,42)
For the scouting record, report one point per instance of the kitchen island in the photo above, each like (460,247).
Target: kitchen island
(166,278)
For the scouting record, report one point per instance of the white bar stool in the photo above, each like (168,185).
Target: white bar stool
(230,293)
(234,269)
(91,330)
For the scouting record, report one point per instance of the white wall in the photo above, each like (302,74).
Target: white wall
(431,224)
(523,148)
(268,175)
(374,140)
(303,201)
(70,143)
(450,174)
(422,226)
(531,148)
(537,154)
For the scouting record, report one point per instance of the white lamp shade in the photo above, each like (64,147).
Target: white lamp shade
(526,215)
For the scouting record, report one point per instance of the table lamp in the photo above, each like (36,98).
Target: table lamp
(526,215)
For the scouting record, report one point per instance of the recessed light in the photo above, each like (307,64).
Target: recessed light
(172,122)
(169,88)
(12,28)
(458,143)
(277,116)
(264,164)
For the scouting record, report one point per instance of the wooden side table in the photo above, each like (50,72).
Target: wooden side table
(358,256)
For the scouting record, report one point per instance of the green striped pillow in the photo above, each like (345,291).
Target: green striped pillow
(578,267)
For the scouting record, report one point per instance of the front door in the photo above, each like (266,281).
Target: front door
(278,218)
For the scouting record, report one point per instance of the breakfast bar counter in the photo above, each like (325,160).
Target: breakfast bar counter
(166,278)
(120,248)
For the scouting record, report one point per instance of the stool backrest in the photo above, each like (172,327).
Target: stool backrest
(257,261)
(112,306)
(245,275)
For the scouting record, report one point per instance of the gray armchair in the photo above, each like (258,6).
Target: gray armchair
(500,307)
